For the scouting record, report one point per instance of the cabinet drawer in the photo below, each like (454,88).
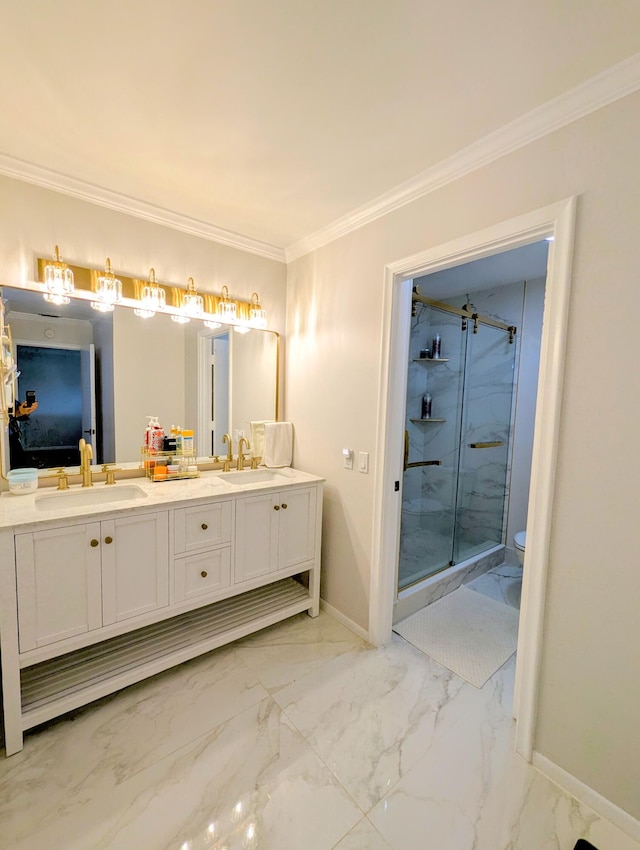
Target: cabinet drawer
(201,527)
(199,575)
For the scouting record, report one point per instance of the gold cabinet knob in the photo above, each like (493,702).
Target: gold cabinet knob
(284,507)
(204,526)
(108,539)
(95,542)
(276,507)
(203,574)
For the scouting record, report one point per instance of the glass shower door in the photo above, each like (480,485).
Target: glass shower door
(430,476)
(484,443)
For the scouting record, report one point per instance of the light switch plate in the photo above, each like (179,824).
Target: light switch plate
(363,461)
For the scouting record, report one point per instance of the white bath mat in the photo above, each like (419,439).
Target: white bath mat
(465,631)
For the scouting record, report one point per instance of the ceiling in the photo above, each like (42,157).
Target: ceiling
(274,118)
(525,263)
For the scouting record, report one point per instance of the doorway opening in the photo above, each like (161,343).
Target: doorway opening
(465,486)
(63,379)
(555,222)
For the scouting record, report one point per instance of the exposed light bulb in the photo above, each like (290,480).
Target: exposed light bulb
(58,279)
(108,287)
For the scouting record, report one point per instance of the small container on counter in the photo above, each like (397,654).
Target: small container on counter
(425,354)
(23,481)
(436,347)
(187,442)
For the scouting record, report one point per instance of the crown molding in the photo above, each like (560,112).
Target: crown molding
(605,88)
(30,173)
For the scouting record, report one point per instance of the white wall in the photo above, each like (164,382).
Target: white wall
(589,701)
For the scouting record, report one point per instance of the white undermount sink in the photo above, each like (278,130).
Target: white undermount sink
(251,476)
(87,497)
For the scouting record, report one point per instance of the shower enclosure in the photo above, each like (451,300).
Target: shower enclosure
(456,458)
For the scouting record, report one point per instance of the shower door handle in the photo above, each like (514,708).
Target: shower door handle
(408,465)
(491,445)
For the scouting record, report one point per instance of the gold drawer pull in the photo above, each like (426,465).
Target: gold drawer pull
(108,539)
(203,574)
(276,507)
(95,542)
(491,445)
(284,507)
(204,526)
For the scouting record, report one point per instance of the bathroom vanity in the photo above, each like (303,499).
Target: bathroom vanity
(101,587)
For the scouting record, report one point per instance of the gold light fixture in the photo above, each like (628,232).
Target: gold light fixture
(153,298)
(227,309)
(191,305)
(108,290)
(257,315)
(58,279)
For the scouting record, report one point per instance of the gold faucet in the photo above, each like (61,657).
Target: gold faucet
(86,456)
(241,457)
(226,464)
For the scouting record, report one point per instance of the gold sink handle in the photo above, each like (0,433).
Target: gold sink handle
(110,472)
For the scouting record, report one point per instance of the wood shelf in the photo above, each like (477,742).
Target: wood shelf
(427,420)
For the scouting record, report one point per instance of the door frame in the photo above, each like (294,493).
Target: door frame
(556,221)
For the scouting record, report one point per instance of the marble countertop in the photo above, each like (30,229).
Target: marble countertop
(48,504)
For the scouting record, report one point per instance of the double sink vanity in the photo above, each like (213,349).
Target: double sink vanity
(103,586)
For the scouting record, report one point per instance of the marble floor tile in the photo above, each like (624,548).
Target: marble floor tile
(102,745)
(363,836)
(355,748)
(286,652)
(370,715)
(252,782)
(454,794)
(541,816)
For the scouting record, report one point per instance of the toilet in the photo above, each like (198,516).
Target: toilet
(519,541)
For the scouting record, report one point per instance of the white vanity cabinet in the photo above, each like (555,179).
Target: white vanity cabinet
(75,578)
(274,531)
(90,606)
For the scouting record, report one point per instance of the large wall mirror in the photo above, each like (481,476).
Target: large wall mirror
(100,375)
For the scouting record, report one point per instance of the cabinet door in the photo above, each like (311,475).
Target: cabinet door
(58,576)
(256,550)
(135,566)
(297,532)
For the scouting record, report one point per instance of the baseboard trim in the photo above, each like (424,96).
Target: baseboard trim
(341,618)
(586,795)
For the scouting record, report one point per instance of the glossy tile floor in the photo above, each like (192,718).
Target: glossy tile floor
(301,737)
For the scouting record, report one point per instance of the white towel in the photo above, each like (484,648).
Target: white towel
(278,444)
(257,437)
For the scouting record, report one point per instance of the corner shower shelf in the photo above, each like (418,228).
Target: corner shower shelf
(427,420)
(430,359)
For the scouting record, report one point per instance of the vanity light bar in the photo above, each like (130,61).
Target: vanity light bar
(133,290)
